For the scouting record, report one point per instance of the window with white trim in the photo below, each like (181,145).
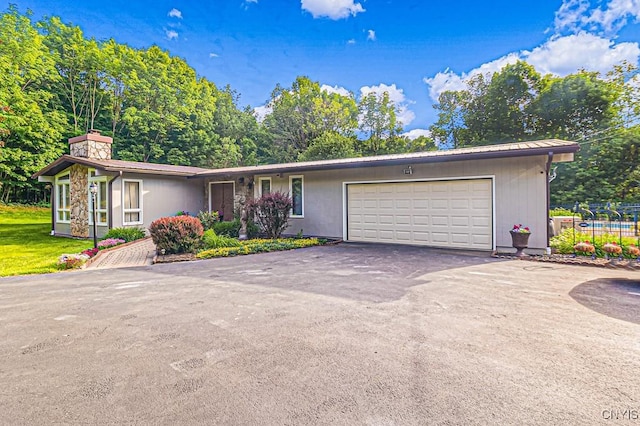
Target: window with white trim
(101,198)
(296,189)
(132,202)
(264,186)
(63,199)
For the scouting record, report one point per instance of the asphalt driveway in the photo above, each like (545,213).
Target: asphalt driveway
(346,334)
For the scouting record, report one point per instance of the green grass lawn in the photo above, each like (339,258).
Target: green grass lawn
(25,244)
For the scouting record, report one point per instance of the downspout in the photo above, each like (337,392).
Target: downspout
(548,169)
(110,199)
(52,197)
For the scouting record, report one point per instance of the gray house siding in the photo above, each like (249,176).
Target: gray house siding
(519,197)
(161,196)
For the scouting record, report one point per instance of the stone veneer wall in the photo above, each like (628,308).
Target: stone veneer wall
(79,182)
(88,148)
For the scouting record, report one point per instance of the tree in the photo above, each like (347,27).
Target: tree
(302,113)
(81,66)
(499,109)
(575,106)
(32,127)
(378,120)
(329,146)
(449,130)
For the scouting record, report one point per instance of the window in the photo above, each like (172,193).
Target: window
(265,186)
(297,195)
(63,198)
(132,202)
(101,198)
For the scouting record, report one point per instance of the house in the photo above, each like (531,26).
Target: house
(465,198)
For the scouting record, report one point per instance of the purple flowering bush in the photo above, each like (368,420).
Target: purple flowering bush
(110,242)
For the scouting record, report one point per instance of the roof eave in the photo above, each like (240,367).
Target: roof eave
(292,167)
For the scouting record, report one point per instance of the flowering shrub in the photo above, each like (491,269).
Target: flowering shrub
(633,251)
(177,234)
(72,261)
(90,252)
(271,211)
(612,248)
(584,247)
(110,242)
(521,229)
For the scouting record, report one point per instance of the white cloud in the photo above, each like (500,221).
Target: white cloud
(247,3)
(371,35)
(576,15)
(351,41)
(416,133)
(175,13)
(332,9)
(213,55)
(171,35)
(565,55)
(336,89)
(260,112)
(558,56)
(448,80)
(404,114)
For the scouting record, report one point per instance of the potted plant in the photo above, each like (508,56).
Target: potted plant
(520,239)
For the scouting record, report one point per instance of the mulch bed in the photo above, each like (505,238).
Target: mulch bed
(565,259)
(185,257)
(170,258)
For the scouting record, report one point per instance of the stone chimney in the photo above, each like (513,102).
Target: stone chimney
(92,145)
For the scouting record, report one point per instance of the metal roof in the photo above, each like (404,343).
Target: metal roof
(518,149)
(119,166)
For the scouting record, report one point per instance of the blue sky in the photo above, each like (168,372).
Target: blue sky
(412,49)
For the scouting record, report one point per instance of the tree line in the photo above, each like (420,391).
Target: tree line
(519,104)
(57,83)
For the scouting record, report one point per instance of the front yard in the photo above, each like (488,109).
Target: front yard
(25,244)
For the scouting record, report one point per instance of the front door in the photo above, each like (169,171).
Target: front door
(221,199)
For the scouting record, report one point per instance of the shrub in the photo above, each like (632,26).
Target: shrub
(126,234)
(564,242)
(559,211)
(208,219)
(232,229)
(211,241)
(177,234)
(271,211)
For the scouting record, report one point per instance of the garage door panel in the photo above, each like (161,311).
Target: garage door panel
(404,236)
(443,214)
(460,221)
(458,204)
(439,204)
(386,204)
(420,237)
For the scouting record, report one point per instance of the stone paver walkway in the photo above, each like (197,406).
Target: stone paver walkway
(139,253)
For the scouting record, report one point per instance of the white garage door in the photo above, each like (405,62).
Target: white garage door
(455,213)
